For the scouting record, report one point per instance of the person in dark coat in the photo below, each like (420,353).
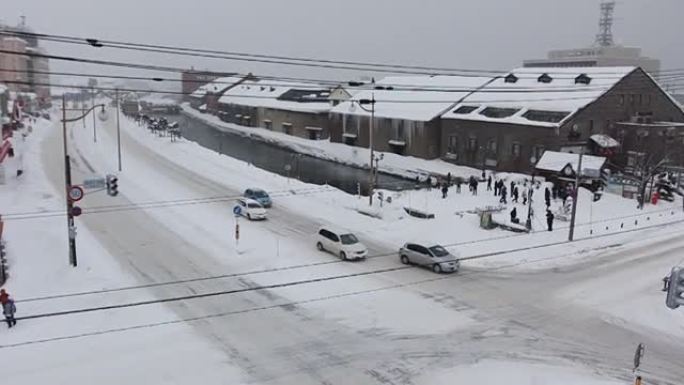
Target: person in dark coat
(475,183)
(448,179)
(496,188)
(512,187)
(484,175)
(549,219)
(514,216)
(489,184)
(445,190)
(547,197)
(524,195)
(515,194)
(503,195)
(458,185)
(8,309)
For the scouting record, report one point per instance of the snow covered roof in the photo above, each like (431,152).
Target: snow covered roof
(272,94)
(604,141)
(419,98)
(158,100)
(557,161)
(216,85)
(538,96)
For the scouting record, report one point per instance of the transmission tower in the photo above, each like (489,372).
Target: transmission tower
(605,35)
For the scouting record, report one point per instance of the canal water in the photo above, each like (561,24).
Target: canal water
(284,161)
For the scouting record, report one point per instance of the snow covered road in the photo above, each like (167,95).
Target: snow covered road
(382,328)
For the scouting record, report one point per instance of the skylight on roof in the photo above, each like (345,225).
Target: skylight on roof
(496,112)
(545,116)
(465,109)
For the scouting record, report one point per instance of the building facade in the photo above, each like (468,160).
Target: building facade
(16,67)
(516,142)
(612,56)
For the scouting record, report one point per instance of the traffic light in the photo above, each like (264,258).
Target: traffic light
(112,187)
(675,288)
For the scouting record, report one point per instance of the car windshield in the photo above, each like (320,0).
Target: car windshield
(260,194)
(439,251)
(348,239)
(254,206)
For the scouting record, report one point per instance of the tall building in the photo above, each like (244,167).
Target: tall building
(604,52)
(24,73)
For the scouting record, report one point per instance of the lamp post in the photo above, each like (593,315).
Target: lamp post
(67,179)
(363,102)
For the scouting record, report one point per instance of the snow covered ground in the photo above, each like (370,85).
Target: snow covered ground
(35,249)
(381,327)
(493,372)
(456,224)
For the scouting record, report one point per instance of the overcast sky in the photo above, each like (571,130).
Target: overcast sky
(479,34)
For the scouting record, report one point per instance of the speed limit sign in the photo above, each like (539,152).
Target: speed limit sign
(75,193)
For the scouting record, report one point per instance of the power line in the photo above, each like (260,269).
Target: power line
(388,101)
(287,60)
(316,84)
(292,303)
(293,267)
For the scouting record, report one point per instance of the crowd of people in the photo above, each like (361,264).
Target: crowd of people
(520,192)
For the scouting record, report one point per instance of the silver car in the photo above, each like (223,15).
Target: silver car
(434,257)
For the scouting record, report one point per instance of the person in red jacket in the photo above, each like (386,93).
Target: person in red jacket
(655,198)
(4,297)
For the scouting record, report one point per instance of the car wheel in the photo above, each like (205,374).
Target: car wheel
(319,246)
(437,268)
(343,256)
(405,260)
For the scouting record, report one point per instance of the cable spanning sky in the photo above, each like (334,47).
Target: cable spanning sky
(477,34)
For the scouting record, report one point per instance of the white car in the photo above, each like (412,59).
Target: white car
(251,209)
(341,243)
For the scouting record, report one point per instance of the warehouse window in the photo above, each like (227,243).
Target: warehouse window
(452,144)
(515,150)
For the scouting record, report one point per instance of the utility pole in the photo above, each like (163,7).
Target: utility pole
(372,154)
(92,99)
(67,186)
(118,127)
(571,235)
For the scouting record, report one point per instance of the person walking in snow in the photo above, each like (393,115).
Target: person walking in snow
(458,184)
(514,216)
(515,194)
(496,188)
(489,184)
(547,197)
(475,183)
(445,190)
(8,309)
(448,179)
(524,195)
(503,195)
(512,187)
(549,219)
(4,296)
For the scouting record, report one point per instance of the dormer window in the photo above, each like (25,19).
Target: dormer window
(545,78)
(510,78)
(583,79)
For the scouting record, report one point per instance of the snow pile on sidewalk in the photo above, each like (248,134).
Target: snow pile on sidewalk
(39,266)
(405,166)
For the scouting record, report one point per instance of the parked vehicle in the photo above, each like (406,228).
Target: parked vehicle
(434,257)
(259,195)
(251,209)
(341,243)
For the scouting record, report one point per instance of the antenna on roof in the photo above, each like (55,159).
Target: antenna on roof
(605,35)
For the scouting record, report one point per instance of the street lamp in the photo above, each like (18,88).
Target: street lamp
(362,103)
(67,175)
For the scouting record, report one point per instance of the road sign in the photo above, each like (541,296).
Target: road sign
(76,211)
(237,210)
(94,183)
(75,193)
